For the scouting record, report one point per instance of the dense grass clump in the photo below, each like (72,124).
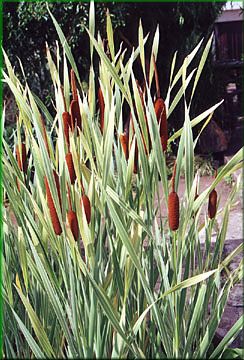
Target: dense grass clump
(93,265)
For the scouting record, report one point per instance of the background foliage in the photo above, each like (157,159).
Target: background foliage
(182,25)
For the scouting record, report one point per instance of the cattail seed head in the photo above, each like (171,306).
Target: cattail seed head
(101,107)
(52,209)
(124,143)
(73,223)
(67,125)
(160,111)
(87,207)
(173,210)
(173,205)
(212,204)
(73,85)
(22,160)
(75,114)
(70,165)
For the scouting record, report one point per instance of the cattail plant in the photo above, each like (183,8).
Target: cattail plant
(160,111)
(212,202)
(86,203)
(74,105)
(72,218)
(101,108)
(52,209)
(124,144)
(87,207)
(173,205)
(67,125)
(70,166)
(66,119)
(64,301)
(21,157)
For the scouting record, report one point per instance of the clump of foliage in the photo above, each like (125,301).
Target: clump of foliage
(94,266)
(182,25)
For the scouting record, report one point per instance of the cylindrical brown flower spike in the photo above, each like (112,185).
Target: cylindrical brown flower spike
(72,219)
(124,143)
(101,107)
(73,85)
(173,205)
(87,207)
(212,202)
(66,119)
(67,125)
(75,114)
(22,160)
(52,209)
(70,165)
(73,223)
(160,111)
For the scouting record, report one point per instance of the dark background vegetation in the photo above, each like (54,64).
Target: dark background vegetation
(27,26)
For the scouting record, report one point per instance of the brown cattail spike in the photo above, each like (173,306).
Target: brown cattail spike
(73,85)
(72,218)
(73,223)
(22,158)
(160,111)
(66,118)
(87,207)
(212,201)
(173,211)
(53,213)
(101,107)
(173,205)
(67,125)
(124,143)
(70,165)
(75,114)
(212,204)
